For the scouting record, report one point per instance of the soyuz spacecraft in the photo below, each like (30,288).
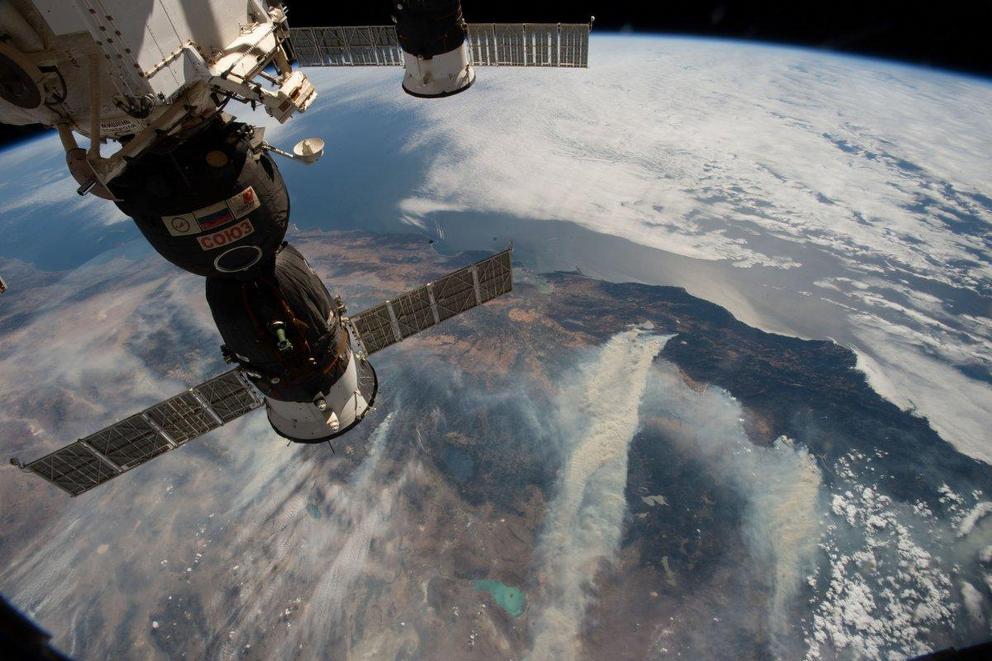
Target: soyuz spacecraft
(204,190)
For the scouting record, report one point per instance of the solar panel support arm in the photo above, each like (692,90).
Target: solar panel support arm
(357,345)
(475,284)
(107,461)
(161,432)
(430,297)
(206,406)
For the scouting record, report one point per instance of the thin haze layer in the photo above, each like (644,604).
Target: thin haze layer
(781,486)
(583,527)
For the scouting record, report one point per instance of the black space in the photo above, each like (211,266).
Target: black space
(950,34)
(954,34)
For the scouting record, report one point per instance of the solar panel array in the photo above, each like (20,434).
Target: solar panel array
(99,457)
(529,44)
(395,320)
(369,45)
(490,44)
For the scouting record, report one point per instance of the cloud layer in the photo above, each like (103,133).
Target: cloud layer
(817,196)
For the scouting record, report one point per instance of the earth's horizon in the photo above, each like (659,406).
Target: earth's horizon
(737,405)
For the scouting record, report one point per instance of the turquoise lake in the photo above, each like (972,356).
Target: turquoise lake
(509,598)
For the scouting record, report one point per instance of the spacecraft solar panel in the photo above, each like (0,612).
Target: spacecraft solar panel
(127,443)
(229,395)
(455,293)
(352,46)
(495,276)
(413,312)
(101,456)
(490,44)
(375,328)
(408,314)
(529,44)
(182,417)
(74,469)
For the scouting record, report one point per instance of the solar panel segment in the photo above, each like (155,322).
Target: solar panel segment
(103,455)
(490,44)
(416,310)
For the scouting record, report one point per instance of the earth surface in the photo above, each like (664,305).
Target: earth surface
(737,406)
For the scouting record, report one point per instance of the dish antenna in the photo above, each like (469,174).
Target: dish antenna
(307,151)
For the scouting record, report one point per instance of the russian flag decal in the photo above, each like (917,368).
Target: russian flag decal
(213,216)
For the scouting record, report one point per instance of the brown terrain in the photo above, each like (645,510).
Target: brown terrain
(239,545)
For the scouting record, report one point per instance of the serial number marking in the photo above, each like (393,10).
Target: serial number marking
(226,236)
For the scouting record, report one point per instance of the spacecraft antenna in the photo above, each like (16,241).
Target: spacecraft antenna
(307,151)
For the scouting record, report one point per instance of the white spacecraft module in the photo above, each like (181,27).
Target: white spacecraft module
(113,69)
(205,192)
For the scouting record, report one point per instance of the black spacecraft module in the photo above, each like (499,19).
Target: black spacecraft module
(209,199)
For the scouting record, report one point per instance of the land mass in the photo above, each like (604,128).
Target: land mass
(378,548)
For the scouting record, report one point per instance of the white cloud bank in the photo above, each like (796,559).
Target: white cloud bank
(805,174)
(882,592)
